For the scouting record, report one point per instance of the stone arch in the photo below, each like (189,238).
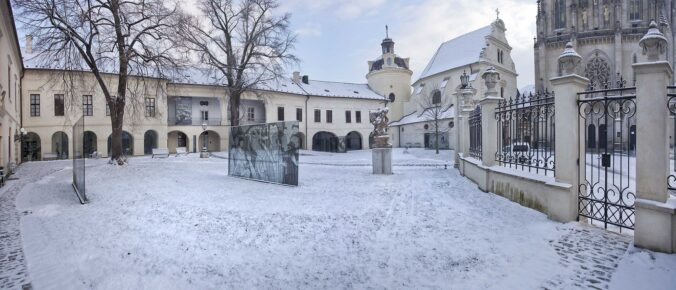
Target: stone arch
(31,147)
(89,143)
(127,143)
(353,141)
(177,139)
(149,141)
(60,145)
(325,141)
(301,139)
(213,141)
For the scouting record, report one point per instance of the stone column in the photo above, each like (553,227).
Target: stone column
(655,226)
(568,148)
(489,126)
(464,106)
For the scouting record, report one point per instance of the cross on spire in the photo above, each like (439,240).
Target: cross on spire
(497,13)
(387,32)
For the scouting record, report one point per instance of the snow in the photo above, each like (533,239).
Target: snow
(182,223)
(415,117)
(462,50)
(340,90)
(643,269)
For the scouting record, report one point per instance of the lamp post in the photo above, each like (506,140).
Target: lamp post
(204,153)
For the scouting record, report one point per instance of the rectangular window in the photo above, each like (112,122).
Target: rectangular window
(634,9)
(348,117)
(280,113)
(299,114)
(329,116)
(205,115)
(58,105)
(357,116)
(87,105)
(318,115)
(35,105)
(150,107)
(250,114)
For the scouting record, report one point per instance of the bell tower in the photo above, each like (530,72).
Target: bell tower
(389,75)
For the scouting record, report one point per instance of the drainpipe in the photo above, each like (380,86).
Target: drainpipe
(307,98)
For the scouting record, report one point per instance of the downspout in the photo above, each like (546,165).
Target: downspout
(307,98)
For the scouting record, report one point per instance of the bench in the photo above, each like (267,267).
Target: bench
(181,150)
(160,152)
(49,156)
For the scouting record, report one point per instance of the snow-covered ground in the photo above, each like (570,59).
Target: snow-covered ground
(182,223)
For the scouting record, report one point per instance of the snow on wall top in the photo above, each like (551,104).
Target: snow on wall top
(462,50)
(415,117)
(340,90)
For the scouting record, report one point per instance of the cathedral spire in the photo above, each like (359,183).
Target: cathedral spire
(387,44)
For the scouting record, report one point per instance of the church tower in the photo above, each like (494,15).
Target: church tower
(390,76)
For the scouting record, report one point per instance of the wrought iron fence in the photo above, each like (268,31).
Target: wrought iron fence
(671,104)
(475,133)
(608,124)
(526,133)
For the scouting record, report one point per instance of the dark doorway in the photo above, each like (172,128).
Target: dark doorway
(603,136)
(149,142)
(30,148)
(89,143)
(127,143)
(325,141)
(591,136)
(60,145)
(632,137)
(353,141)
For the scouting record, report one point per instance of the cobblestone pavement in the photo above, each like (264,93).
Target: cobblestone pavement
(13,273)
(592,254)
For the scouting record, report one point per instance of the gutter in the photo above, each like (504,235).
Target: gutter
(307,98)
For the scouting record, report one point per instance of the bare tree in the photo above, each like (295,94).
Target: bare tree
(127,39)
(244,43)
(434,107)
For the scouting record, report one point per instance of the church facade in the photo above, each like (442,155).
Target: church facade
(428,115)
(604,32)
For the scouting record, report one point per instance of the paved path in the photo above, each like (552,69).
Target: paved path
(13,273)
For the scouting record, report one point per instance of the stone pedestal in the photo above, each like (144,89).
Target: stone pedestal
(382,160)
(204,154)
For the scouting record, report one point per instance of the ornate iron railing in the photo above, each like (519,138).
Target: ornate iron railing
(526,133)
(671,104)
(475,133)
(608,124)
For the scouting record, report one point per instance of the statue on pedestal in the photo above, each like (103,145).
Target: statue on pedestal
(380,123)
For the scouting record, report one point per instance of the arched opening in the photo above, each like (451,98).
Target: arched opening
(213,141)
(591,136)
(89,143)
(353,141)
(127,143)
(60,145)
(301,139)
(391,97)
(176,139)
(325,141)
(30,148)
(149,142)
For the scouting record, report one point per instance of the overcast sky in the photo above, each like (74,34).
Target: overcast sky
(337,37)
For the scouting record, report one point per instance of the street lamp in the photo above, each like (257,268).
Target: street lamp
(464,80)
(19,137)
(204,153)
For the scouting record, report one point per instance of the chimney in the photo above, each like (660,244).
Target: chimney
(29,44)
(306,80)
(296,77)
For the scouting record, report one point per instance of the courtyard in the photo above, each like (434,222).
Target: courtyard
(182,223)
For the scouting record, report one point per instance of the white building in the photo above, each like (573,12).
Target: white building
(434,90)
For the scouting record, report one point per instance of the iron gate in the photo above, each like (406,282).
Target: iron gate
(609,189)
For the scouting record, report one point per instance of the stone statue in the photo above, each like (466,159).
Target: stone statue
(606,13)
(380,123)
(584,18)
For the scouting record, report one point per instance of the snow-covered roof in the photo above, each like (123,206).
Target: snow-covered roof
(528,90)
(340,90)
(416,117)
(197,75)
(460,51)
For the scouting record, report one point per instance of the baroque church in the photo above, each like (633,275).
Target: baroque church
(604,32)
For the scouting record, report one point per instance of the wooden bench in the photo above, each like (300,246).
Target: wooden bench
(181,150)
(160,152)
(49,156)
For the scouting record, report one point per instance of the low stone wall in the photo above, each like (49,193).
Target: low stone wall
(542,193)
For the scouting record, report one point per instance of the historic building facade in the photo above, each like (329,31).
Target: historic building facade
(11,73)
(472,54)
(604,32)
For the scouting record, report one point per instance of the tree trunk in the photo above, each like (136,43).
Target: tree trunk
(436,136)
(235,100)
(117,119)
